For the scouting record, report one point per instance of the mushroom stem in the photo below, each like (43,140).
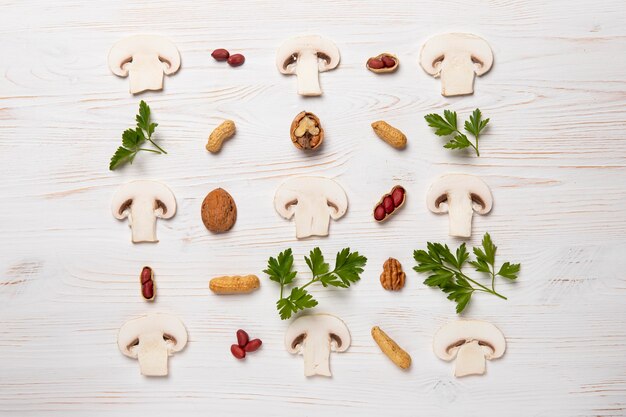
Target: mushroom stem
(470,360)
(152,355)
(460,212)
(142,221)
(146,73)
(308,75)
(316,354)
(457,76)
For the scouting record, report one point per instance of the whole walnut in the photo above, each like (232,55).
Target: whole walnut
(392,277)
(219,211)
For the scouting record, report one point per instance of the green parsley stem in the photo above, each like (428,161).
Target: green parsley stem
(161,149)
(482,287)
(148,150)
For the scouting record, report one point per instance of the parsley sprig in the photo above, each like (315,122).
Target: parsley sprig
(446,269)
(132,139)
(447,125)
(348,267)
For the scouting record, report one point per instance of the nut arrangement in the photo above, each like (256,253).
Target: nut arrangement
(311,202)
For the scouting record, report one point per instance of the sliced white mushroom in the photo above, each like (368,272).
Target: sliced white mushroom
(456,58)
(151,339)
(471,342)
(313,201)
(145,58)
(307,56)
(459,195)
(143,202)
(314,336)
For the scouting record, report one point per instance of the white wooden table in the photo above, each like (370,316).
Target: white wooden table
(555,158)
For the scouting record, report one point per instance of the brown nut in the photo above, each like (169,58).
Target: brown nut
(218,211)
(389,203)
(220,54)
(393,277)
(236,60)
(235,284)
(306,131)
(390,348)
(389,134)
(146,279)
(224,131)
(383,63)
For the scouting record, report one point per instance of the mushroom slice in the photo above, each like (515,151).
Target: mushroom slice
(471,342)
(145,58)
(313,201)
(459,195)
(314,336)
(307,56)
(456,58)
(143,202)
(151,339)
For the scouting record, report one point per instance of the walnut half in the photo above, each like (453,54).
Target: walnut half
(306,131)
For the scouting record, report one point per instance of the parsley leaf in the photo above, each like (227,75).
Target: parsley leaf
(298,300)
(445,269)
(348,267)
(281,270)
(447,125)
(132,139)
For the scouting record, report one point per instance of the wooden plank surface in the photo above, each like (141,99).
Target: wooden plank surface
(555,158)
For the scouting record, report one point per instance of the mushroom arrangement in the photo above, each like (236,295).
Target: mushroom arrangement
(471,342)
(459,195)
(144,59)
(307,56)
(314,337)
(151,340)
(457,58)
(313,201)
(142,202)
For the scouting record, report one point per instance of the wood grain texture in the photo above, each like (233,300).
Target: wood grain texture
(555,158)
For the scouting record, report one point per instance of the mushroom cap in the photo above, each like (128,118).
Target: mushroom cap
(451,336)
(123,50)
(294,188)
(287,54)
(435,50)
(152,192)
(169,326)
(316,326)
(475,188)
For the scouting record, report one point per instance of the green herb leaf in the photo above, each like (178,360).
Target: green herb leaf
(458,142)
(348,267)
(316,262)
(509,270)
(447,125)
(445,270)
(132,139)
(120,157)
(298,300)
(143,118)
(444,128)
(280,270)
